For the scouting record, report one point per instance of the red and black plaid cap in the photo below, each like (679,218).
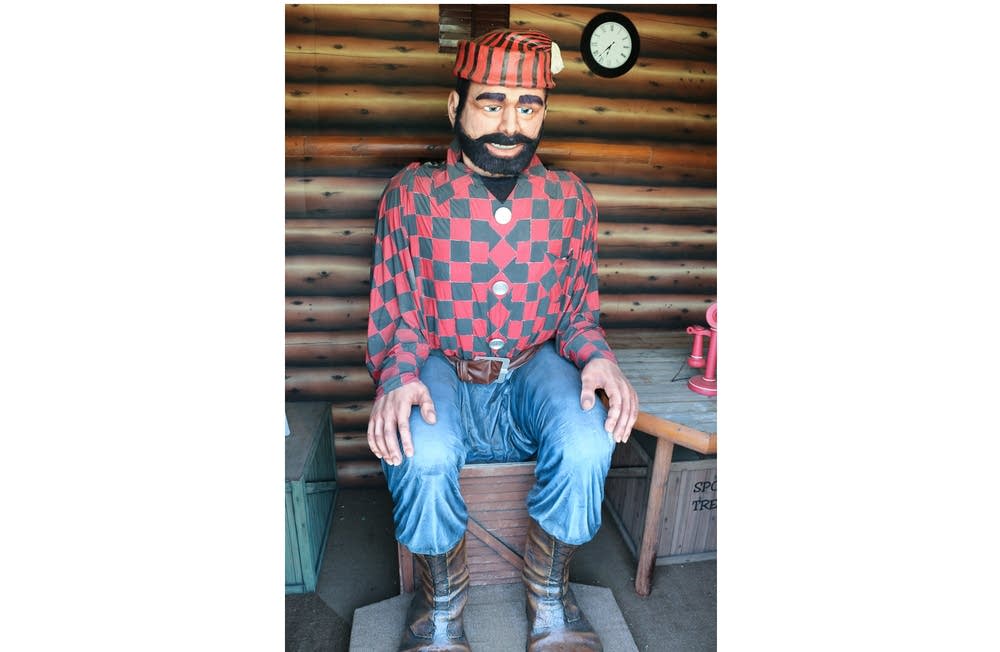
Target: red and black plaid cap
(503,57)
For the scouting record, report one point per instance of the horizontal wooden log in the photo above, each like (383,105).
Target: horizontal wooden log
(664,311)
(662,36)
(651,78)
(349,197)
(350,415)
(345,166)
(667,164)
(612,171)
(323,349)
(340,275)
(328,275)
(381,21)
(304,313)
(332,197)
(356,474)
(352,446)
(348,237)
(682,164)
(348,108)
(323,383)
(652,241)
(609,171)
(344,60)
(668,204)
(353,107)
(649,276)
(704,11)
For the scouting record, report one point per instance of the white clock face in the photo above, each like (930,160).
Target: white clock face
(611,44)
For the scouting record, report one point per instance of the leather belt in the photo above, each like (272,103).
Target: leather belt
(483,370)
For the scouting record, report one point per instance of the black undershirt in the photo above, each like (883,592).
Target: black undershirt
(500,187)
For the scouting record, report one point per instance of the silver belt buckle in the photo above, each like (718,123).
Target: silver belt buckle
(504,363)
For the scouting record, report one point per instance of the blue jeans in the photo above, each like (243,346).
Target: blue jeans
(534,413)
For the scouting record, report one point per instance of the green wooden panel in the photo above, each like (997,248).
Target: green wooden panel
(320,487)
(293,561)
(310,493)
(320,509)
(307,554)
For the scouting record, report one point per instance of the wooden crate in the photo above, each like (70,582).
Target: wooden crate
(495,496)
(688,529)
(310,492)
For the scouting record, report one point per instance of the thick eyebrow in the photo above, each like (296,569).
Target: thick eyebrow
(500,97)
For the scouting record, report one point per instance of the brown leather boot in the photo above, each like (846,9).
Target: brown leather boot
(434,620)
(555,620)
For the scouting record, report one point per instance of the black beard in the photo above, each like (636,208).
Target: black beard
(475,149)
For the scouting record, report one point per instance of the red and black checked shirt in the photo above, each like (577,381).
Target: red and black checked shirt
(448,275)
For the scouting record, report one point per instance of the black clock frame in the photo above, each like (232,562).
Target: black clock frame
(588,57)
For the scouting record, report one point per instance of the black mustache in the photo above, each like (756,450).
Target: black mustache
(500,139)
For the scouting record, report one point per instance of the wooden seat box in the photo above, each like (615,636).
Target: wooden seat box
(310,492)
(688,529)
(495,496)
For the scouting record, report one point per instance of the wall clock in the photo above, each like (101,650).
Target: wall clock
(610,44)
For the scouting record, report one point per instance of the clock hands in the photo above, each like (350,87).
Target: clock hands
(610,45)
(600,57)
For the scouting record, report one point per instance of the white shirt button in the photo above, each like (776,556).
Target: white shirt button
(502,215)
(496,344)
(500,288)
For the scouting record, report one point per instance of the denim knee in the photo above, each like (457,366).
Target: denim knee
(588,451)
(566,499)
(433,455)
(428,510)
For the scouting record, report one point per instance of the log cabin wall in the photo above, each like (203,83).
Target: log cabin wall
(366,88)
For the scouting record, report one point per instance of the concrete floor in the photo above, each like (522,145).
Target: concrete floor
(360,568)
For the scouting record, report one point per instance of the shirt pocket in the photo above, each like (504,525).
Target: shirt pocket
(548,278)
